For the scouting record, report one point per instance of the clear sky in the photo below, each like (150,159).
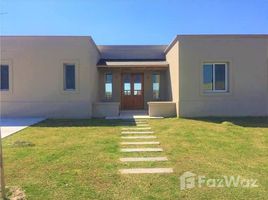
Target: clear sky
(133,21)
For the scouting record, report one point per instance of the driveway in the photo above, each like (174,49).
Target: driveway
(13,125)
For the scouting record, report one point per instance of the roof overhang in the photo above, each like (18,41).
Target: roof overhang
(132,63)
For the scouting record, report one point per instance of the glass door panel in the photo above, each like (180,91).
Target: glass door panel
(137,84)
(127,84)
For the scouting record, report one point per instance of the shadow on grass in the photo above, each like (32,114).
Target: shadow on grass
(83,123)
(254,122)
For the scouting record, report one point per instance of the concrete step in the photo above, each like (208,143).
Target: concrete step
(137,128)
(137,132)
(146,170)
(141,149)
(143,159)
(139,137)
(139,143)
(142,125)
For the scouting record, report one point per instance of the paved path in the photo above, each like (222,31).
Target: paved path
(13,125)
(139,135)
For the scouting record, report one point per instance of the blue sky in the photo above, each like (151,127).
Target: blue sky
(133,21)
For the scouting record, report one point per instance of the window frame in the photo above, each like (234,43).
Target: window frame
(8,78)
(159,74)
(8,62)
(105,82)
(226,84)
(64,77)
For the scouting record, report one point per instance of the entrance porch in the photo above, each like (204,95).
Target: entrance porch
(134,92)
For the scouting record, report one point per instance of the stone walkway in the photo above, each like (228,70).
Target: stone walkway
(141,135)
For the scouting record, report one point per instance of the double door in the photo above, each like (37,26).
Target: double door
(132,92)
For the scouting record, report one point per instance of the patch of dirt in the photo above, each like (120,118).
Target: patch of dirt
(15,193)
(22,143)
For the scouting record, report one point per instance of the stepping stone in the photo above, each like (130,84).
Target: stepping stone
(140,122)
(141,149)
(139,137)
(137,128)
(143,159)
(138,143)
(137,132)
(143,125)
(146,171)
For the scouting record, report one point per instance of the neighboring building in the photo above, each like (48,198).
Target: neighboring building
(196,75)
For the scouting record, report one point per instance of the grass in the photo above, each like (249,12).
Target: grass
(79,159)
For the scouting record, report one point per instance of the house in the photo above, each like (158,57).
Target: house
(194,76)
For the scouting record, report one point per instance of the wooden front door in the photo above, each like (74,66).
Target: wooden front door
(132,95)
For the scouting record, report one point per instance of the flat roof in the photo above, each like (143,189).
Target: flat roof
(215,36)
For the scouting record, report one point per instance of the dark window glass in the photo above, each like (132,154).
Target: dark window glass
(220,77)
(214,77)
(69,77)
(127,85)
(208,77)
(156,86)
(4,75)
(137,84)
(108,86)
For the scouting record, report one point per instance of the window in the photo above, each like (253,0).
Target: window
(156,86)
(4,77)
(127,85)
(69,77)
(215,77)
(108,86)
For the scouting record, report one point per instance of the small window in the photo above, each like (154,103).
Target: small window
(108,86)
(156,86)
(4,75)
(69,77)
(215,77)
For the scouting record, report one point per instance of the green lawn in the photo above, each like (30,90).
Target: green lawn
(79,159)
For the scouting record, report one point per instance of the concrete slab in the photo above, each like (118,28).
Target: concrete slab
(139,137)
(139,143)
(137,132)
(146,170)
(141,149)
(10,126)
(140,122)
(143,159)
(133,117)
(142,125)
(133,114)
(137,128)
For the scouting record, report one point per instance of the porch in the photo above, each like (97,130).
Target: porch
(134,92)
(133,83)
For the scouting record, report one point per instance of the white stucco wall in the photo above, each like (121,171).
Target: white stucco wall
(36,76)
(248,71)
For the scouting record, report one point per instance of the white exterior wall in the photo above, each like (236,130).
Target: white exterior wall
(248,72)
(36,76)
